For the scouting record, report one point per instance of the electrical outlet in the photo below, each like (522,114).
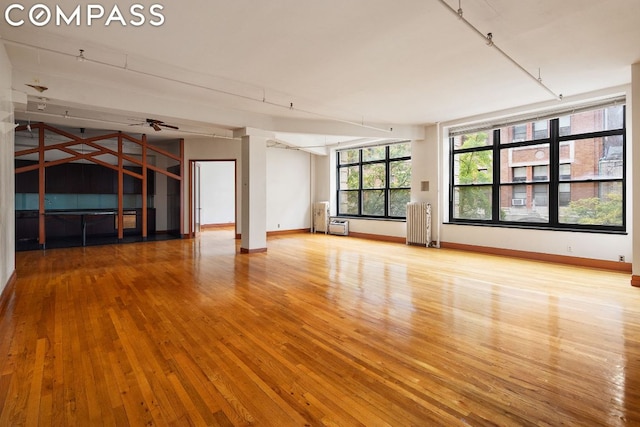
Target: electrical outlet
(278,225)
(569,248)
(621,258)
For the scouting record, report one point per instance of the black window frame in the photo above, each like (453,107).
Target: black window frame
(387,189)
(555,139)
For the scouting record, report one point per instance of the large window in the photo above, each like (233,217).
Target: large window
(564,172)
(374,182)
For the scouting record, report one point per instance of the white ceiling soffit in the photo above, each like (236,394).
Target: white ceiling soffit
(361,68)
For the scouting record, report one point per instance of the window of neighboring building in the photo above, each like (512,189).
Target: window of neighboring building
(541,173)
(565,125)
(374,182)
(541,129)
(569,174)
(519,133)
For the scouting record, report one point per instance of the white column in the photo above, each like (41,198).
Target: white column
(634,172)
(254,191)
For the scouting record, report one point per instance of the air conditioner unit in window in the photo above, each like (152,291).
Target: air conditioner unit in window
(339,227)
(518,202)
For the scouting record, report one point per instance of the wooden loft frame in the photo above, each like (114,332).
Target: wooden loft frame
(94,142)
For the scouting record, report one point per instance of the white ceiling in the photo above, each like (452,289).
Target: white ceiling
(352,69)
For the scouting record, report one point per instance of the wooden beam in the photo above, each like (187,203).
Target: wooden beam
(120,190)
(164,172)
(144,187)
(191,231)
(165,153)
(41,188)
(181,185)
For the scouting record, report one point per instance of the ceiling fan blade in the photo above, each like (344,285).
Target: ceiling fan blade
(168,126)
(155,127)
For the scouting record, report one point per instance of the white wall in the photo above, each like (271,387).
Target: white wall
(324,181)
(288,189)
(217,192)
(7,173)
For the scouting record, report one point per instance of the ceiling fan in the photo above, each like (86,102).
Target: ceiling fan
(157,125)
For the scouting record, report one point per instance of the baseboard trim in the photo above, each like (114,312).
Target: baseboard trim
(538,256)
(284,232)
(378,237)
(7,292)
(253,251)
(214,226)
(635,281)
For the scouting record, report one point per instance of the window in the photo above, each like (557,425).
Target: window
(374,182)
(567,172)
(541,129)
(519,174)
(541,173)
(519,133)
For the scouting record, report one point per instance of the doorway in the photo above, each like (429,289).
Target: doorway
(213,195)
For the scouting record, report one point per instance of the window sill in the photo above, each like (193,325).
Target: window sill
(370,218)
(538,228)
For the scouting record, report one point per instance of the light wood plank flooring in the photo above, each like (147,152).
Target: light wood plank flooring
(320,330)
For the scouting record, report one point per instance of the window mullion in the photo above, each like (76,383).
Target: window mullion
(361,183)
(387,184)
(495,195)
(554,173)
(338,182)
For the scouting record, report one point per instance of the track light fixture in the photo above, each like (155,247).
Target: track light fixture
(489,39)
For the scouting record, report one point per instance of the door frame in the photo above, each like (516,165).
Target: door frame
(192,164)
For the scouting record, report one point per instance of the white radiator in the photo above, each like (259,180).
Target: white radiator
(418,223)
(321,217)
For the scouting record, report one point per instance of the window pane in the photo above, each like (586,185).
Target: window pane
(398,200)
(350,178)
(529,163)
(597,158)
(473,168)
(373,153)
(400,174)
(595,203)
(472,203)
(479,139)
(525,132)
(349,202)
(400,150)
(374,176)
(373,202)
(524,203)
(609,118)
(349,156)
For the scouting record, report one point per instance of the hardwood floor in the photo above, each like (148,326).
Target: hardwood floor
(320,330)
